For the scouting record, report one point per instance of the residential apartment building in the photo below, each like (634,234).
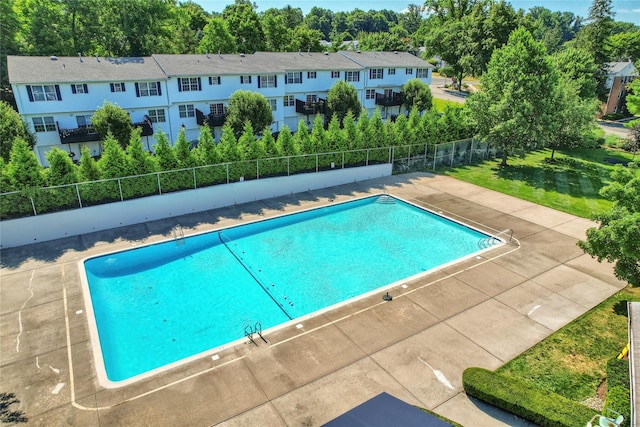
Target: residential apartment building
(56,96)
(619,74)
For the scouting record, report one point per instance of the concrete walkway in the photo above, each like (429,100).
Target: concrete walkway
(482,312)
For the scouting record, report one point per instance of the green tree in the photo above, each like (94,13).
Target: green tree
(113,162)
(182,151)
(593,36)
(380,41)
(417,94)
(304,39)
(88,169)
(189,20)
(624,46)
(275,31)
(617,237)
(412,18)
(515,108)
(165,155)
(246,105)
(286,142)
(23,170)
(12,127)
(206,152)
(9,31)
(61,170)
(110,118)
(633,105)
(335,136)
(577,66)
(319,19)
(244,24)
(228,145)
(574,119)
(216,37)
(134,27)
(319,141)
(140,160)
(342,98)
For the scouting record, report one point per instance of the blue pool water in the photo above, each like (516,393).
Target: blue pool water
(161,303)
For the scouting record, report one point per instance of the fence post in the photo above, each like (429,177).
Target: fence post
(288,165)
(120,188)
(367,161)
(391,154)
(435,156)
(78,193)
(426,146)
(159,185)
(316,162)
(227,167)
(453,150)
(257,168)
(33,205)
(343,160)
(195,184)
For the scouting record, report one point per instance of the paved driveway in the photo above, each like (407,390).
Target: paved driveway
(481,312)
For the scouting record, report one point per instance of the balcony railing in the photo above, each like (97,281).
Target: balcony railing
(395,99)
(211,119)
(147,127)
(68,136)
(311,108)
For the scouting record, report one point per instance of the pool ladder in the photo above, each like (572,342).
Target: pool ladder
(385,199)
(178,235)
(255,329)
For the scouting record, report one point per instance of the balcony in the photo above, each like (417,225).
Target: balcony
(68,136)
(396,98)
(147,127)
(311,108)
(211,119)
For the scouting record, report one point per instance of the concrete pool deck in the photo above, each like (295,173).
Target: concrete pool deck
(481,312)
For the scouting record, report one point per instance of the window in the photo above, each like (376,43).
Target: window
(267,81)
(422,73)
(376,73)
(294,78)
(274,104)
(409,71)
(289,101)
(157,116)
(214,80)
(335,74)
(216,109)
(83,121)
(352,76)
(148,89)
(312,98)
(189,84)
(83,88)
(388,93)
(311,74)
(392,71)
(44,124)
(370,94)
(44,93)
(187,110)
(117,87)
(245,80)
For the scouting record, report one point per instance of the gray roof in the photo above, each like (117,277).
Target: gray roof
(616,67)
(256,63)
(45,69)
(41,69)
(387,59)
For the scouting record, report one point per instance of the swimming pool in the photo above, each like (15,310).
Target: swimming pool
(168,302)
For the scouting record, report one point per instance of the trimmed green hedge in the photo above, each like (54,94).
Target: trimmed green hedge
(618,390)
(524,399)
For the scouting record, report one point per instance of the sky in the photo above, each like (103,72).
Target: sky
(625,10)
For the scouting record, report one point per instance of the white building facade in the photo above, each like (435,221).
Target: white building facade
(56,97)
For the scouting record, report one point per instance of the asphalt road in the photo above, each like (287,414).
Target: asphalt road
(614,129)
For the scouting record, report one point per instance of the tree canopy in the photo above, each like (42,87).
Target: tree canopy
(417,94)
(248,106)
(342,98)
(617,239)
(110,118)
(12,127)
(515,108)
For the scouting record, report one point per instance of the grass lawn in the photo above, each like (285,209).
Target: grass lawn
(570,184)
(572,361)
(440,104)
